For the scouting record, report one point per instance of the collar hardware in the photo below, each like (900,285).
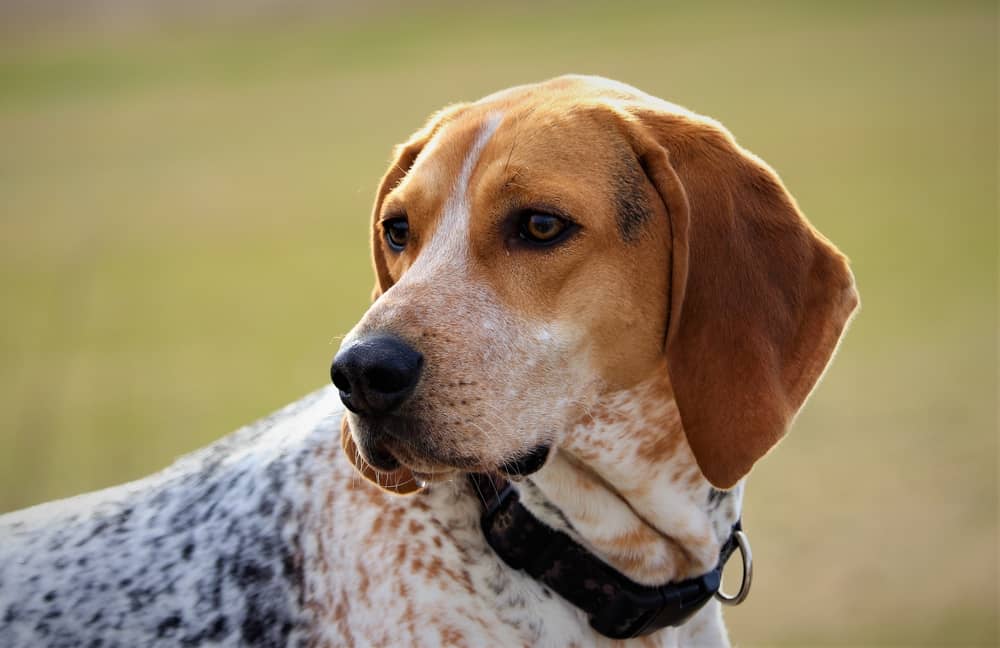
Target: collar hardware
(616,606)
(746,557)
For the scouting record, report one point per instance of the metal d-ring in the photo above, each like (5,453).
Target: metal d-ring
(743,543)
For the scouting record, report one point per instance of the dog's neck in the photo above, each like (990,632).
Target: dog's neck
(625,484)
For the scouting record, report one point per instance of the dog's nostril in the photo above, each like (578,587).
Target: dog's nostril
(340,380)
(389,379)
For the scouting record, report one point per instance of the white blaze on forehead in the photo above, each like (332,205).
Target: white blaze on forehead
(450,242)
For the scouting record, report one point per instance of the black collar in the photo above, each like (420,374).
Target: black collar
(618,607)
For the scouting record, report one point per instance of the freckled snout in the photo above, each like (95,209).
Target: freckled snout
(375,375)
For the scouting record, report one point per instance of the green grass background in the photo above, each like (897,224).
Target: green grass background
(183,217)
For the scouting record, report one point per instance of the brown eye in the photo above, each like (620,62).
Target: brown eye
(542,229)
(397,232)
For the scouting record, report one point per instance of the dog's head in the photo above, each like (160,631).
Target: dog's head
(552,244)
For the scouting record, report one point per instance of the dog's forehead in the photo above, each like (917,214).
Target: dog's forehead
(507,146)
(569,120)
(562,107)
(439,163)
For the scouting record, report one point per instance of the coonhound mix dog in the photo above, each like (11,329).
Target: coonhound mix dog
(594,300)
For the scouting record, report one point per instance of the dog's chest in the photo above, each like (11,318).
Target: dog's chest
(387,569)
(417,570)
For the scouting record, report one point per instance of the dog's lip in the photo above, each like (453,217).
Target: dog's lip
(379,457)
(426,465)
(386,450)
(435,476)
(527,463)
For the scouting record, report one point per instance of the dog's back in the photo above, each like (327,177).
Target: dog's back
(205,551)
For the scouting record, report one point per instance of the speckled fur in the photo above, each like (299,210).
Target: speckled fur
(207,552)
(269,538)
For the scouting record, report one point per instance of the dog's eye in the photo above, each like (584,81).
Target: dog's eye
(397,232)
(542,229)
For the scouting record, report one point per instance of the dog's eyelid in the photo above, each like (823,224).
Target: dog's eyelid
(543,209)
(392,216)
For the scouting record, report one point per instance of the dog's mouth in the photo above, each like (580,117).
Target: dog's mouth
(387,453)
(379,457)
(384,460)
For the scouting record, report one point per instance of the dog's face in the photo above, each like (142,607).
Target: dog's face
(522,281)
(533,254)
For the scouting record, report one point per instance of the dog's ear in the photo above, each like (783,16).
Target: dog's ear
(759,299)
(404,155)
(398,482)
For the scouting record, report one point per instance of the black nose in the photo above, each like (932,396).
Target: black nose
(376,374)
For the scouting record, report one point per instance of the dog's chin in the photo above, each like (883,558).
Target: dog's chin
(429,465)
(436,469)
(388,452)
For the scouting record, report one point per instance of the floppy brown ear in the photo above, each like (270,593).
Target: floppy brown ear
(759,299)
(398,482)
(404,155)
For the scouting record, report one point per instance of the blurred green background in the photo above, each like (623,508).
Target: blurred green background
(184,202)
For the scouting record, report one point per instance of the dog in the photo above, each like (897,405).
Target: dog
(593,300)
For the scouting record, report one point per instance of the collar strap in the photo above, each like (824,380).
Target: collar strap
(617,606)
